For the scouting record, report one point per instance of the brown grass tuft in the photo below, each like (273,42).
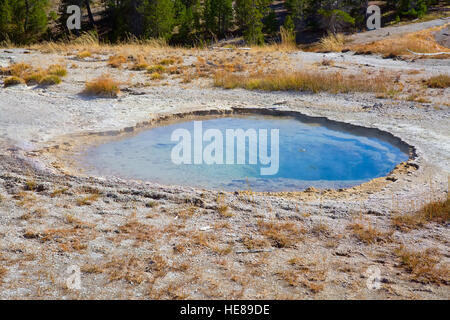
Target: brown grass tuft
(103,86)
(140,63)
(129,268)
(281,235)
(50,80)
(441,81)
(3,272)
(16,69)
(438,211)
(222,207)
(140,232)
(35,77)
(116,61)
(156,76)
(13,81)
(57,70)
(253,243)
(88,200)
(167,61)
(423,265)
(331,42)
(156,68)
(367,233)
(84,54)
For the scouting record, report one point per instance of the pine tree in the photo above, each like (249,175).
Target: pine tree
(249,15)
(5,19)
(124,18)
(158,18)
(23,20)
(410,8)
(297,8)
(217,16)
(270,23)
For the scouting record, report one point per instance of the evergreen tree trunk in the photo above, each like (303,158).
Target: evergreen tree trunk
(91,17)
(27,12)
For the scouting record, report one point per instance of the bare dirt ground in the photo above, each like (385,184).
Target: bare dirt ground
(140,240)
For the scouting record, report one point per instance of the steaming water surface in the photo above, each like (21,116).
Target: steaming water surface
(310,154)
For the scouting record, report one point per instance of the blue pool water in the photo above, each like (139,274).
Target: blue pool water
(309,154)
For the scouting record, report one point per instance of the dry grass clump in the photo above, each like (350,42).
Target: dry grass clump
(367,233)
(103,86)
(287,39)
(438,211)
(203,239)
(59,191)
(167,61)
(35,77)
(50,80)
(3,272)
(140,63)
(305,81)
(222,207)
(84,54)
(175,69)
(332,42)
(88,200)
(253,243)
(67,239)
(419,42)
(30,185)
(92,268)
(25,73)
(140,232)
(13,81)
(156,76)
(281,235)
(423,265)
(16,69)
(129,268)
(156,68)
(441,81)
(116,61)
(57,70)
(416,97)
(307,275)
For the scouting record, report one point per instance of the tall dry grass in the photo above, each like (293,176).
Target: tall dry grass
(434,211)
(441,81)
(332,42)
(288,39)
(90,42)
(305,81)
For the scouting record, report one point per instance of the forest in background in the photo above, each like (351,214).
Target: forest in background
(192,22)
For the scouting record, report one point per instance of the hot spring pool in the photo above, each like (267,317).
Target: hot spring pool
(309,153)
